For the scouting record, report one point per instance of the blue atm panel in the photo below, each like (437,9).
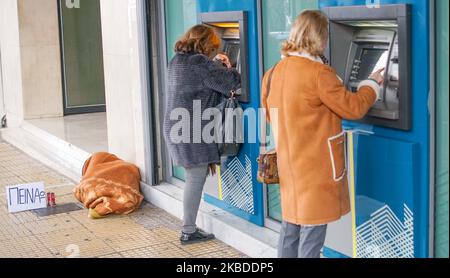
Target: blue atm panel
(391,160)
(237,190)
(386,173)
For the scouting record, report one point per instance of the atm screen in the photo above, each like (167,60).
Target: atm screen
(371,61)
(232,49)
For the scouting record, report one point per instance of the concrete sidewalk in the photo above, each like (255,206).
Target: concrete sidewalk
(150,232)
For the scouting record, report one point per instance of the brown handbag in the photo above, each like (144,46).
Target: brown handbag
(267,162)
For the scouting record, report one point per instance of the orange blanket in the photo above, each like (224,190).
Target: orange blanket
(109,185)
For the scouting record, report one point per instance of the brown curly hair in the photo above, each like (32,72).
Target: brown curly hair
(200,39)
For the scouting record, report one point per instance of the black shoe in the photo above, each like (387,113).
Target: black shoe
(195,237)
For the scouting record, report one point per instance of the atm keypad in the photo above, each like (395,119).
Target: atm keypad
(355,70)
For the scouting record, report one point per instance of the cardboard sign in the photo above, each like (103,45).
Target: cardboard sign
(23,197)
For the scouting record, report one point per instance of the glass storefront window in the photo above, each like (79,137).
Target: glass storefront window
(441,214)
(277,18)
(180,16)
(84,88)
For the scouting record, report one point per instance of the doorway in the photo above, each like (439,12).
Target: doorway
(82,57)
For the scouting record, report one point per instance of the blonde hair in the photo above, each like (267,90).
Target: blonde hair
(308,33)
(200,39)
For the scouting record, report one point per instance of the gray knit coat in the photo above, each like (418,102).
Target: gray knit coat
(195,77)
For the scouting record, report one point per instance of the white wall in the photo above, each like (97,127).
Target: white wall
(2,105)
(11,66)
(40,58)
(123,80)
(29,44)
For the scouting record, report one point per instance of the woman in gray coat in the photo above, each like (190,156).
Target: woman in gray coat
(197,77)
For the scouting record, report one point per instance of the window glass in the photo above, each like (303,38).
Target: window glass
(277,18)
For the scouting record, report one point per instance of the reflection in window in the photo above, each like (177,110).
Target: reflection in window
(180,16)
(278,17)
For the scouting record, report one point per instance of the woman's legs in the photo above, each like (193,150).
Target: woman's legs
(195,180)
(289,240)
(298,241)
(312,239)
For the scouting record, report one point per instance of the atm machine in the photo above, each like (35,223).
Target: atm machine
(232,29)
(235,188)
(360,47)
(372,50)
(389,149)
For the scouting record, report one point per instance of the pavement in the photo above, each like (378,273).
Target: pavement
(149,232)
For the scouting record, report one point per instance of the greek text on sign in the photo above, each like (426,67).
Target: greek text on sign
(23,197)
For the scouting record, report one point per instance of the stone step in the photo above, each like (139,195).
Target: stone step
(47,148)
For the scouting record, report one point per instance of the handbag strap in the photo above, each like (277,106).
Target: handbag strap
(269,81)
(264,126)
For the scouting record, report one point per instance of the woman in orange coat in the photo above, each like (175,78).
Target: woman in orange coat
(306,104)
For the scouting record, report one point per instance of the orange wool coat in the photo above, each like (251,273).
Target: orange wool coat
(311,102)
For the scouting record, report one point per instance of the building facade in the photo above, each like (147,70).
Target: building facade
(84,76)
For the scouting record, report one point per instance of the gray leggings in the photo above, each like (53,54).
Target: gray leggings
(192,195)
(298,241)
